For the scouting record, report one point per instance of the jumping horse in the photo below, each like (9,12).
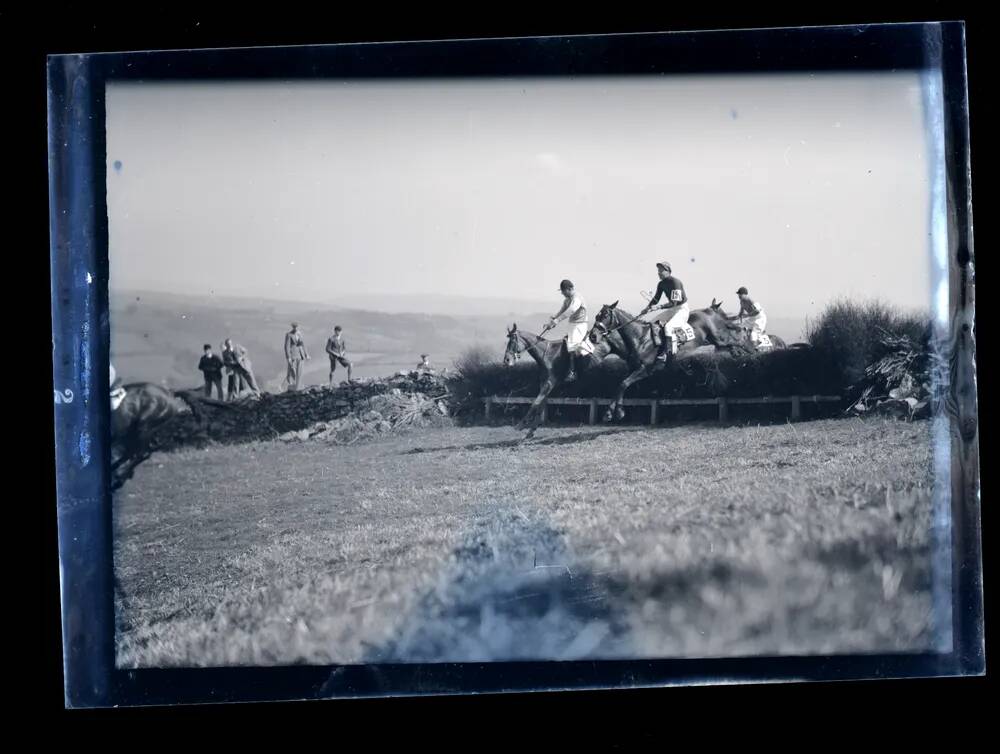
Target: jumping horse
(552,357)
(135,421)
(635,345)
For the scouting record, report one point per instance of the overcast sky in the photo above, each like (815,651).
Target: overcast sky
(801,187)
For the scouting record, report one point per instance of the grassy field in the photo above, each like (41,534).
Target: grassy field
(588,542)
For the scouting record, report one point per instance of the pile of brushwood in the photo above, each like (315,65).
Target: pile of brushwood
(379,414)
(904,382)
(345,413)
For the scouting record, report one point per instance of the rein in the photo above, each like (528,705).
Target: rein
(605,332)
(521,338)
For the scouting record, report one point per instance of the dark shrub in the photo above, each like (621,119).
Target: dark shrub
(850,336)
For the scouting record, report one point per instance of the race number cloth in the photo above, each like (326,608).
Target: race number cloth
(684,334)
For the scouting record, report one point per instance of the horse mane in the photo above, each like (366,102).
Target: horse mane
(639,335)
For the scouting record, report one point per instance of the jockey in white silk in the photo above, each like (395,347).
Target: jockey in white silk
(574,308)
(752,316)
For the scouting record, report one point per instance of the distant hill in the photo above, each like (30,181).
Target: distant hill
(441,304)
(158,337)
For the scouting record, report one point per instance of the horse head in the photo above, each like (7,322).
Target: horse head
(603,322)
(511,354)
(716,305)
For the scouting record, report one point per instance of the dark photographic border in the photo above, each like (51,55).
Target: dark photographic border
(81,340)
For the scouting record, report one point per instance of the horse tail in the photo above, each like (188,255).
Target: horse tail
(192,404)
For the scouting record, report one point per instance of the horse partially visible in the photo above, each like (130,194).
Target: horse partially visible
(145,409)
(777,344)
(553,359)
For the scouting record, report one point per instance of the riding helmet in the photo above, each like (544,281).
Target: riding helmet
(742,291)
(565,284)
(664,266)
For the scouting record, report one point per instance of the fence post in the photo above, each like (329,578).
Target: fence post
(723,409)
(489,405)
(796,408)
(593,410)
(652,411)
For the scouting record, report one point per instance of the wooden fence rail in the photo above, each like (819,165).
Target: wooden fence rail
(795,401)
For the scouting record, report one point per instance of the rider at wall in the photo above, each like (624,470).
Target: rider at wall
(575,308)
(672,315)
(751,314)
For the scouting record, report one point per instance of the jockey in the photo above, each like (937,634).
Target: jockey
(751,315)
(575,308)
(670,316)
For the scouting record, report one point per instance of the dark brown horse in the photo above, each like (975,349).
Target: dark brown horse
(636,347)
(553,359)
(145,409)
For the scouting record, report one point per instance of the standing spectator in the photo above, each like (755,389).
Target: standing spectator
(238,369)
(211,365)
(295,354)
(234,383)
(424,365)
(336,349)
(243,364)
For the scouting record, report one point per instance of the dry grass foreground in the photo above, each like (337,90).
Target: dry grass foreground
(456,545)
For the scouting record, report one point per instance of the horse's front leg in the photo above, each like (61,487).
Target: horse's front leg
(124,471)
(615,410)
(534,411)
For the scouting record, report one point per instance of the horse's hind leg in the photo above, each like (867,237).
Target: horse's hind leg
(615,410)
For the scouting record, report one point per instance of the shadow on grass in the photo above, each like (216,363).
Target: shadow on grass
(513,592)
(522,442)
(509,593)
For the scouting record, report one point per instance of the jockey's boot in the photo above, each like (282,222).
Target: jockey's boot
(666,346)
(652,334)
(572,367)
